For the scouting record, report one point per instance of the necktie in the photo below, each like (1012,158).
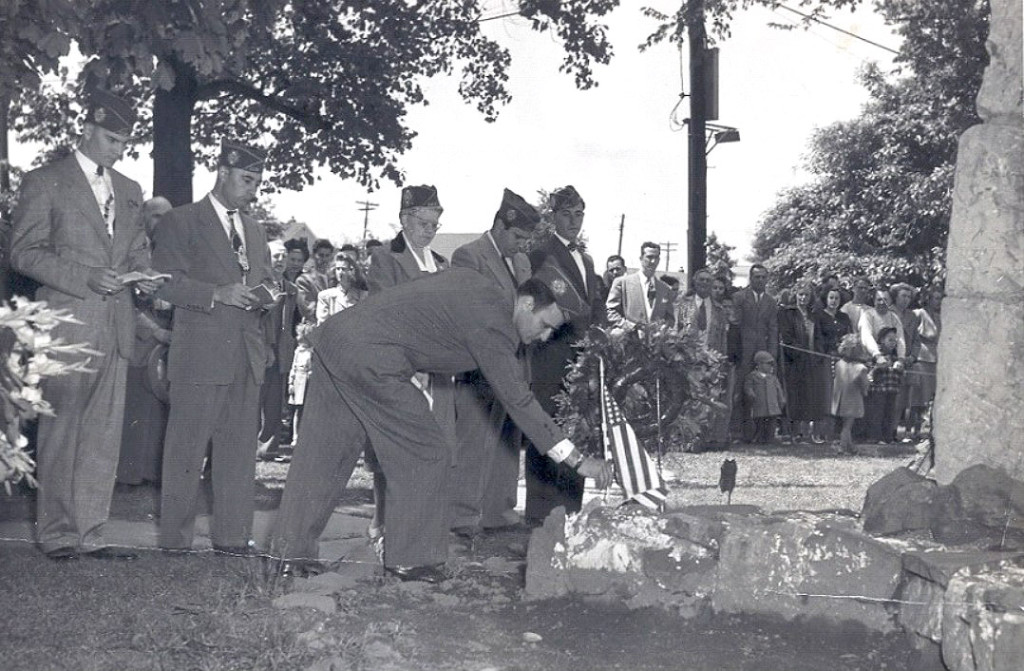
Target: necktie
(702,316)
(106,195)
(651,293)
(236,243)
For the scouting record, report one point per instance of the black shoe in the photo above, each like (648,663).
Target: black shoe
(429,574)
(302,568)
(112,552)
(62,554)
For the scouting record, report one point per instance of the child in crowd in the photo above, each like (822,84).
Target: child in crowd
(886,377)
(299,374)
(849,388)
(765,395)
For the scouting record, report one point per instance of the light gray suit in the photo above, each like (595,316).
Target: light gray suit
(58,237)
(487,471)
(626,300)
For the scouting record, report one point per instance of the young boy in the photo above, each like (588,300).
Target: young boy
(765,396)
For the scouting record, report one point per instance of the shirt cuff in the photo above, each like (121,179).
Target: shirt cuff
(561,451)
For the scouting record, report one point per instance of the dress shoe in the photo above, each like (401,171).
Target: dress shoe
(62,554)
(429,574)
(302,568)
(112,552)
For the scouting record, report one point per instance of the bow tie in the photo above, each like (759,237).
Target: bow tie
(575,246)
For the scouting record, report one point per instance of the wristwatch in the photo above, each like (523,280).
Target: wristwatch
(574,460)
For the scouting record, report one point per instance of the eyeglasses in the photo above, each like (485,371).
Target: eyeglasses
(432,224)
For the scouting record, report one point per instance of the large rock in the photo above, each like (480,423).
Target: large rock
(981,503)
(545,559)
(978,418)
(806,568)
(899,501)
(983,621)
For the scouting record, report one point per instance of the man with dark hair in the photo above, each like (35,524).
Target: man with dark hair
(216,256)
(362,391)
(76,230)
(614,267)
(641,298)
(551,485)
(755,312)
(487,468)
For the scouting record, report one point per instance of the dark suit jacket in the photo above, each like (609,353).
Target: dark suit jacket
(626,301)
(395,265)
(59,236)
(548,360)
(758,324)
(212,344)
(446,323)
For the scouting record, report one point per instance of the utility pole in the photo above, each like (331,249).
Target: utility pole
(697,229)
(668,247)
(366,208)
(622,227)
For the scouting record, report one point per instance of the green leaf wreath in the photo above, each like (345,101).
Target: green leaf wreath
(651,369)
(28,354)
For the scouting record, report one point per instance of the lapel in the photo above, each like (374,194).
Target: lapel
(212,232)
(568,264)
(496,264)
(126,212)
(259,264)
(81,194)
(636,289)
(521,263)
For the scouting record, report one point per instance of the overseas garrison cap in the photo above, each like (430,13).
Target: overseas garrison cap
(561,286)
(241,156)
(110,112)
(424,195)
(516,212)
(565,198)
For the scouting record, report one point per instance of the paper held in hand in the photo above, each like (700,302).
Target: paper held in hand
(267,293)
(139,276)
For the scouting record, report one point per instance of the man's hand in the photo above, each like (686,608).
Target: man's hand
(146,287)
(104,281)
(600,470)
(236,295)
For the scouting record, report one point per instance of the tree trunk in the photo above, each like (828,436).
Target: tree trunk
(172,137)
(5,189)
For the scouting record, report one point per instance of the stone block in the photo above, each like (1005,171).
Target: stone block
(920,607)
(800,568)
(899,501)
(545,559)
(978,633)
(939,566)
(1000,94)
(978,418)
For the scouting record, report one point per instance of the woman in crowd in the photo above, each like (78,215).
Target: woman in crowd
(830,325)
(922,393)
(803,370)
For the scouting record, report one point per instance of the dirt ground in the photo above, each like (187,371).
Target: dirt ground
(204,611)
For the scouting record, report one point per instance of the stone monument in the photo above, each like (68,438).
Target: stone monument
(979,406)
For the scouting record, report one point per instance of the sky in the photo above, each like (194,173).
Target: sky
(615,143)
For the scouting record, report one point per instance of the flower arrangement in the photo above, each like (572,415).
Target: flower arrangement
(665,380)
(29,354)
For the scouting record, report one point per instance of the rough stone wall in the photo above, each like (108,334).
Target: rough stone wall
(979,407)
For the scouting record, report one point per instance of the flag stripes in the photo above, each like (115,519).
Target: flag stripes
(637,474)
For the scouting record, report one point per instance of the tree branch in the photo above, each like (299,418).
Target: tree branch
(312,122)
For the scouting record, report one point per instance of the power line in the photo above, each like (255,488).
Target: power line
(841,30)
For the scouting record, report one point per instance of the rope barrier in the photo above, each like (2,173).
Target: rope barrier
(833,357)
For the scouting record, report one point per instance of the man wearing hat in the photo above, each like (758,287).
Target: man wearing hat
(77,229)
(550,485)
(487,469)
(407,257)
(362,391)
(216,255)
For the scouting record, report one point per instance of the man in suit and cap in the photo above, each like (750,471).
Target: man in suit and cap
(407,257)
(486,474)
(216,256)
(77,230)
(640,297)
(549,485)
(756,314)
(362,391)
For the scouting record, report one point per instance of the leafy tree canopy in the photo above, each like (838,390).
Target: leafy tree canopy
(881,197)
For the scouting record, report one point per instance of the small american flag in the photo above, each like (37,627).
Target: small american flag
(637,474)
